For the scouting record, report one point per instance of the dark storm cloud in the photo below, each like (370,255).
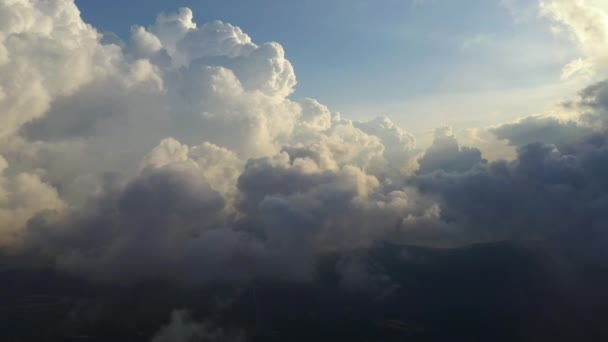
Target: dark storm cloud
(549,189)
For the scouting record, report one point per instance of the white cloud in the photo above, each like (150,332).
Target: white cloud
(587,22)
(22,196)
(39,60)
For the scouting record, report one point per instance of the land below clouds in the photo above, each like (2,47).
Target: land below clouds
(502,291)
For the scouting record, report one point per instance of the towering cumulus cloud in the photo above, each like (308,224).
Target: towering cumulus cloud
(181,153)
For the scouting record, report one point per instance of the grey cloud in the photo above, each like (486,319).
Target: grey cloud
(547,130)
(135,232)
(445,155)
(590,117)
(595,98)
(544,192)
(554,187)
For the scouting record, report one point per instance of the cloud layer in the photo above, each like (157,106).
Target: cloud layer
(181,154)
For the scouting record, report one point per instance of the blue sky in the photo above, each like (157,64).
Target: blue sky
(423,63)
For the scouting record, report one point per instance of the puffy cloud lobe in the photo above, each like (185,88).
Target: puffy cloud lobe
(181,36)
(145,44)
(40,60)
(345,143)
(263,68)
(213,104)
(315,116)
(22,196)
(445,155)
(219,166)
(295,205)
(399,145)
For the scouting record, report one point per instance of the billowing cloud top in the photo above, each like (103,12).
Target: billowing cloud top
(180,153)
